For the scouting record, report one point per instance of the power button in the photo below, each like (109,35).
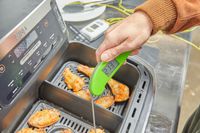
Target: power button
(2,68)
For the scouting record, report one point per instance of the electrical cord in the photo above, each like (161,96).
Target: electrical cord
(186,41)
(120,4)
(120,8)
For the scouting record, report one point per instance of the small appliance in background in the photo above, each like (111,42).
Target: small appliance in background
(95,29)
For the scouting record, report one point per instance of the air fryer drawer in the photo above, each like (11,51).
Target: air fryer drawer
(126,117)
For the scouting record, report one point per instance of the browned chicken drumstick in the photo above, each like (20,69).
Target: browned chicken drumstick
(72,80)
(105,101)
(85,70)
(119,90)
(85,94)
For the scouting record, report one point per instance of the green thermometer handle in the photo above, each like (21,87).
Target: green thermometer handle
(104,71)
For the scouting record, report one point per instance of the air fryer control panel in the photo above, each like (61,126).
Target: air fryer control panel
(20,64)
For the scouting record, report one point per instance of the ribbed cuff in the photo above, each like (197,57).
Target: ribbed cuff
(161,12)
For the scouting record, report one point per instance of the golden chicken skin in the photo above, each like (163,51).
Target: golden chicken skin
(105,101)
(119,90)
(44,118)
(73,81)
(97,131)
(85,94)
(85,70)
(30,130)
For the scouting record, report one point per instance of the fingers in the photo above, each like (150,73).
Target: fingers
(127,45)
(113,27)
(112,39)
(135,52)
(128,35)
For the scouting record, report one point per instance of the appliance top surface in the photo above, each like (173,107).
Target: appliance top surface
(13,11)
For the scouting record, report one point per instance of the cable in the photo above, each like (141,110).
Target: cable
(189,30)
(113,20)
(120,4)
(120,8)
(186,41)
(116,8)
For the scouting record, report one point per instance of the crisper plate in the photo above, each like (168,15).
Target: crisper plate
(58,80)
(67,120)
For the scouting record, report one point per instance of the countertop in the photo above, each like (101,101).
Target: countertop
(168,59)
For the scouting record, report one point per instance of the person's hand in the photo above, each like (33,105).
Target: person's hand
(127,35)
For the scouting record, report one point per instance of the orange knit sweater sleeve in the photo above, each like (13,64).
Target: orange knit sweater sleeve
(172,15)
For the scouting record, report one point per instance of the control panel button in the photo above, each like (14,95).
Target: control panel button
(38,53)
(30,62)
(2,68)
(21,72)
(39,29)
(52,37)
(11,83)
(15,90)
(12,93)
(45,44)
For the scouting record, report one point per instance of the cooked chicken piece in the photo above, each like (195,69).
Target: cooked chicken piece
(72,80)
(105,101)
(85,70)
(44,118)
(119,90)
(68,130)
(97,131)
(85,94)
(30,130)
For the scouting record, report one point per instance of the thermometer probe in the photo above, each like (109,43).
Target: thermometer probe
(103,72)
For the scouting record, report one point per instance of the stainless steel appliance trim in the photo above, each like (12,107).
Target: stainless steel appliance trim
(10,40)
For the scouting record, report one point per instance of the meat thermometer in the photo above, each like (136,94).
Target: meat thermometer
(103,72)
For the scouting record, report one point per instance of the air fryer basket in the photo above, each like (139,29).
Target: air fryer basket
(130,116)
(67,120)
(58,80)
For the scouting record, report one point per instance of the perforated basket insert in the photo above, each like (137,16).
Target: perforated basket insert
(77,124)
(58,80)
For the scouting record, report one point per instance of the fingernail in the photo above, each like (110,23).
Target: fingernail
(104,57)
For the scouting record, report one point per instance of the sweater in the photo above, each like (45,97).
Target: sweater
(172,16)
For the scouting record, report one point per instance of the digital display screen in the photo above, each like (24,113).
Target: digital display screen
(94,26)
(25,44)
(88,29)
(110,67)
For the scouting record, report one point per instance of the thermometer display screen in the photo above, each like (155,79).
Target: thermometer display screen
(110,67)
